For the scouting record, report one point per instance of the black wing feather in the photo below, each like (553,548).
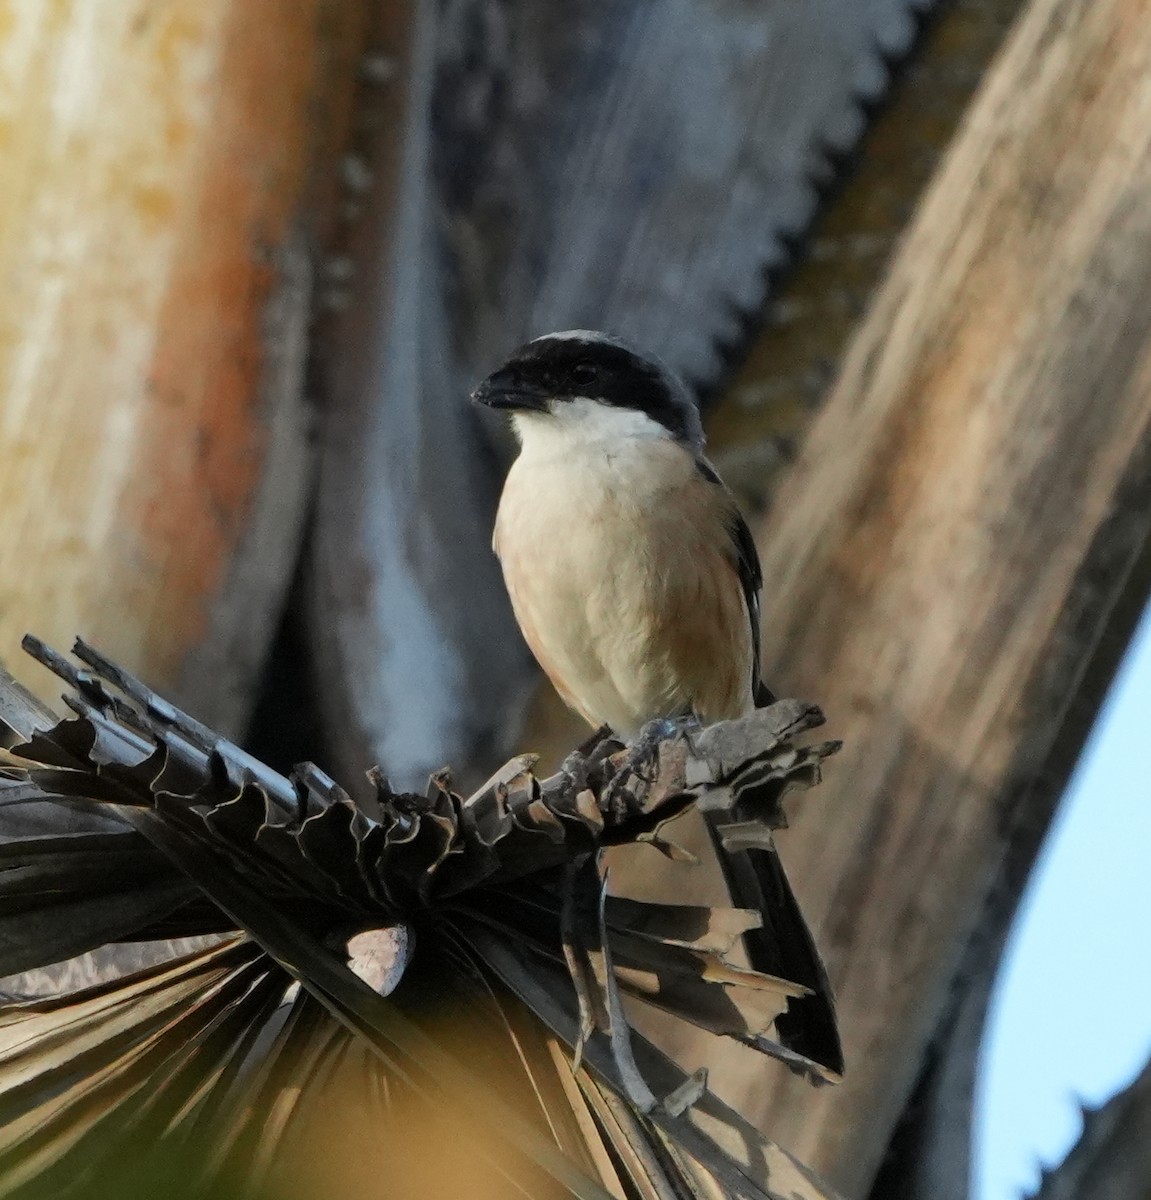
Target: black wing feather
(750,578)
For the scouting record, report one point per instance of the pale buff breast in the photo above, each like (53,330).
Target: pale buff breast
(631,607)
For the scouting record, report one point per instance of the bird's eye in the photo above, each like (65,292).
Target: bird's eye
(584,372)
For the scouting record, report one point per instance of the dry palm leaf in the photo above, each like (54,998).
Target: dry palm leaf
(130,820)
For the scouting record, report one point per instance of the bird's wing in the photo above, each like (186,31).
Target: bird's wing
(745,559)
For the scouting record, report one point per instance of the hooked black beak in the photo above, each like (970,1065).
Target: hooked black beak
(503,389)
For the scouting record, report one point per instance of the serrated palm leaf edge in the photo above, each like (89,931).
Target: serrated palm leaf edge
(510,874)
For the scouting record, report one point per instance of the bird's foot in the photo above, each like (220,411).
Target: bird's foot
(642,757)
(643,750)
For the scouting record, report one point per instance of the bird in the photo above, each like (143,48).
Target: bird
(636,583)
(631,570)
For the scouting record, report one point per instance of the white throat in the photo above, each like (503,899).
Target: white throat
(580,426)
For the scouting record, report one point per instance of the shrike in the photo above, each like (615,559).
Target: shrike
(632,574)
(636,583)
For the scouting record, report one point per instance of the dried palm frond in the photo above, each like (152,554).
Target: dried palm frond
(130,820)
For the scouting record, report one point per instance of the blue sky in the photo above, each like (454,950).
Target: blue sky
(1071,1017)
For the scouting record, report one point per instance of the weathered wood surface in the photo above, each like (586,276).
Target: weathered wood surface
(635,166)
(157,161)
(641,167)
(966,528)
(755,423)
(413,634)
